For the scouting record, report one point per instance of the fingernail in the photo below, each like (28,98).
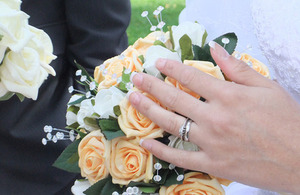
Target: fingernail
(219,50)
(141,142)
(132,75)
(129,93)
(160,63)
(137,79)
(212,44)
(135,98)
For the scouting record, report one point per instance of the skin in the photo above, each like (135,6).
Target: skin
(248,130)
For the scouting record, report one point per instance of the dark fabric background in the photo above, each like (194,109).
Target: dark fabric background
(89,31)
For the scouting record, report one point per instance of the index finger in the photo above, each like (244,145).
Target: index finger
(200,82)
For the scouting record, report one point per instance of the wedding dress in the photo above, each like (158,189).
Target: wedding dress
(272,28)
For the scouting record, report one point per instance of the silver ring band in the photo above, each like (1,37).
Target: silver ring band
(185,129)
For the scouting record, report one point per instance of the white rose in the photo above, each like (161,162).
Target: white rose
(2,52)
(86,111)
(194,30)
(14,28)
(71,116)
(14,4)
(41,42)
(21,72)
(106,100)
(153,54)
(80,186)
(74,98)
(3,90)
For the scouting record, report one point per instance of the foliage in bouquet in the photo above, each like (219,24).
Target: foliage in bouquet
(108,129)
(25,53)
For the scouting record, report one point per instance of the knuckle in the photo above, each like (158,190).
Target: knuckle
(145,107)
(172,99)
(169,66)
(187,77)
(148,86)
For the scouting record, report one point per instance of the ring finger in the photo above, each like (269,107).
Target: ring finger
(165,119)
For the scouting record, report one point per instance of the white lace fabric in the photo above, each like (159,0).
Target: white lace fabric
(271,27)
(277,25)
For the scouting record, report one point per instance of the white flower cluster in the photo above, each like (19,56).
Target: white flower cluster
(194,31)
(25,53)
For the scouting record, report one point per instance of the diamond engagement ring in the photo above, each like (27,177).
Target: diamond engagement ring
(185,129)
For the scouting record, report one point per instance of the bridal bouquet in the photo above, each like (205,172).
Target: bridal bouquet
(106,129)
(25,53)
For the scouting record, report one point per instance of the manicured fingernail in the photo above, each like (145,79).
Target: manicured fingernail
(160,63)
(135,98)
(212,44)
(132,75)
(219,50)
(137,79)
(141,142)
(129,93)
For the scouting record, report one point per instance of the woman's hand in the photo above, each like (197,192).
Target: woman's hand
(248,130)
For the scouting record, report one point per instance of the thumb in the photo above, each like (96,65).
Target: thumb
(236,70)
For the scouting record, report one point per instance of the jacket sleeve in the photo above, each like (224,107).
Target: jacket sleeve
(97,30)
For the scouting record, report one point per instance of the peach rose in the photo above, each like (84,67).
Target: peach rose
(142,44)
(195,183)
(108,73)
(134,124)
(255,64)
(93,151)
(130,162)
(203,66)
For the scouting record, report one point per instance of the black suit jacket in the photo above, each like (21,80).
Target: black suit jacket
(88,31)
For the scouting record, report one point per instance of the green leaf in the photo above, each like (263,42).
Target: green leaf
(145,187)
(103,187)
(171,36)
(142,58)
(110,128)
(67,160)
(81,134)
(7,96)
(78,101)
(97,187)
(164,173)
(109,135)
(110,187)
(158,42)
(91,122)
(1,36)
(109,124)
(148,190)
(73,109)
(185,43)
(84,72)
(21,97)
(201,54)
(125,80)
(230,47)
(142,184)
(204,38)
(172,177)
(74,126)
(117,110)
